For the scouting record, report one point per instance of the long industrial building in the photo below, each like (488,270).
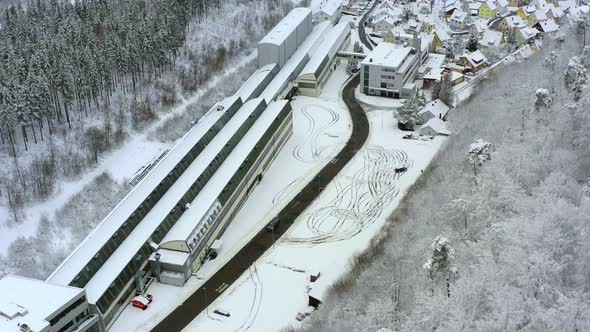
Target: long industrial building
(166,225)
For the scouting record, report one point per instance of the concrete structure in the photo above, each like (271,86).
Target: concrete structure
(322,63)
(389,70)
(37,306)
(458,21)
(284,39)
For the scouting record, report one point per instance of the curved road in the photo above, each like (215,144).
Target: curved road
(240,263)
(362,33)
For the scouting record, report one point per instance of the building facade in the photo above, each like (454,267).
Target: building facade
(389,70)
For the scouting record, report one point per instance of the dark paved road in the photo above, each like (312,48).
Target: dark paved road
(362,33)
(220,281)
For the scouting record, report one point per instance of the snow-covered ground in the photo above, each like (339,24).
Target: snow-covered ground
(378,102)
(321,128)
(339,224)
(134,153)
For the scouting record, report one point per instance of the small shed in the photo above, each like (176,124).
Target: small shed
(316,294)
(435,127)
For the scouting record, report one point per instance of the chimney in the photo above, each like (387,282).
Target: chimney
(157,266)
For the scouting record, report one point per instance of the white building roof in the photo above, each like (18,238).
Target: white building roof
(172,257)
(528,33)
(515,21)
(436,107)
(289,70)
(31,302)
(491,38)
(75,262)
(247,89)
(549,25)
(330,7)
(332,43)
(475,58)
(387,55)
(459,16)
(438,125)
(286,26)
(131,245)
(208,195)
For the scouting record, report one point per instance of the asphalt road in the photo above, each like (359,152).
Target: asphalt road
(362,33)
(240,263)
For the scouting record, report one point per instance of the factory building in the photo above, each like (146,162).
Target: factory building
(323,62)
(284,39)
(187,245)
(389,70)
(29,305)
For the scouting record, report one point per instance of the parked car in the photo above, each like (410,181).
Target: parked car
(221,312)
(142,301)
(401,169)
(408,136)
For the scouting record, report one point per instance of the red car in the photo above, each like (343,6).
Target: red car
(142,301)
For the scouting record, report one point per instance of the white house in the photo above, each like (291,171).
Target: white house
(434,109)
(491,38)
(385,23)
(434,127)
(548,26)
(458,21)
(328,10)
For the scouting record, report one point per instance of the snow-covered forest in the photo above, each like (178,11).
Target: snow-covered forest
(78,78)
(114,68)
(494,236)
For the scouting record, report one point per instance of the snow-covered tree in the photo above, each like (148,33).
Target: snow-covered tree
(478,153)
(440,261)
(472,44)
(352,66)
(446,89)
(575,77)
(408,112)
(543,99)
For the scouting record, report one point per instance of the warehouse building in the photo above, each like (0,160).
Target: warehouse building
(284,39)
(186,246)
(389,70)
(111,263)
(284,82)
(322,63)
(37,306)
(256,84)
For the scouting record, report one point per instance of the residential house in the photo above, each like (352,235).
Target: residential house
(385,23)
(434,109)
(536,17)
(525,35)
(434,127)
(515,3)
(512,23)
(458,21)
(487,10)
(473,61)
(328,10)
(547,26)
(439,39)
(474,8)
(491,38)
(478,27)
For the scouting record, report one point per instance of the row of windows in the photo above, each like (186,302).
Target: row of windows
(176,212)
(71,307)
(249,161)
(108,248)
(239,177)
(388,77)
